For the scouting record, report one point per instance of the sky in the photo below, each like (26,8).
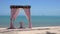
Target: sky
(38,7)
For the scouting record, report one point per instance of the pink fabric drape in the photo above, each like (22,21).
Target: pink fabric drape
(27,12)
(13,10)
(14,13)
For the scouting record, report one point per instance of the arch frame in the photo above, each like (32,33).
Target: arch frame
(27,11)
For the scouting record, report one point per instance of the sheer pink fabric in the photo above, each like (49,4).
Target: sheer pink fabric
(27,12)
(14,13)
(13,10)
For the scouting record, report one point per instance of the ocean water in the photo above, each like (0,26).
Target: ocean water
(36,21)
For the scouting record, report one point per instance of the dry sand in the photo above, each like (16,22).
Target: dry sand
(34,30)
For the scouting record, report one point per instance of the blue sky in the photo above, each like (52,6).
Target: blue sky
(38,7)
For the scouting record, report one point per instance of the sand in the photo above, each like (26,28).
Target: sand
(34,30)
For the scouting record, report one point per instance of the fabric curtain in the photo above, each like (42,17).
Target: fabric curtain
(27,12)
(14,13)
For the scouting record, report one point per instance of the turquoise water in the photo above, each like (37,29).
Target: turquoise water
(36,21)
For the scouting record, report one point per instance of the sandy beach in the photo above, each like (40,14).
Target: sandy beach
(34,30)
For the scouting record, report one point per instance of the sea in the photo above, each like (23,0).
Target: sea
(37,21)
